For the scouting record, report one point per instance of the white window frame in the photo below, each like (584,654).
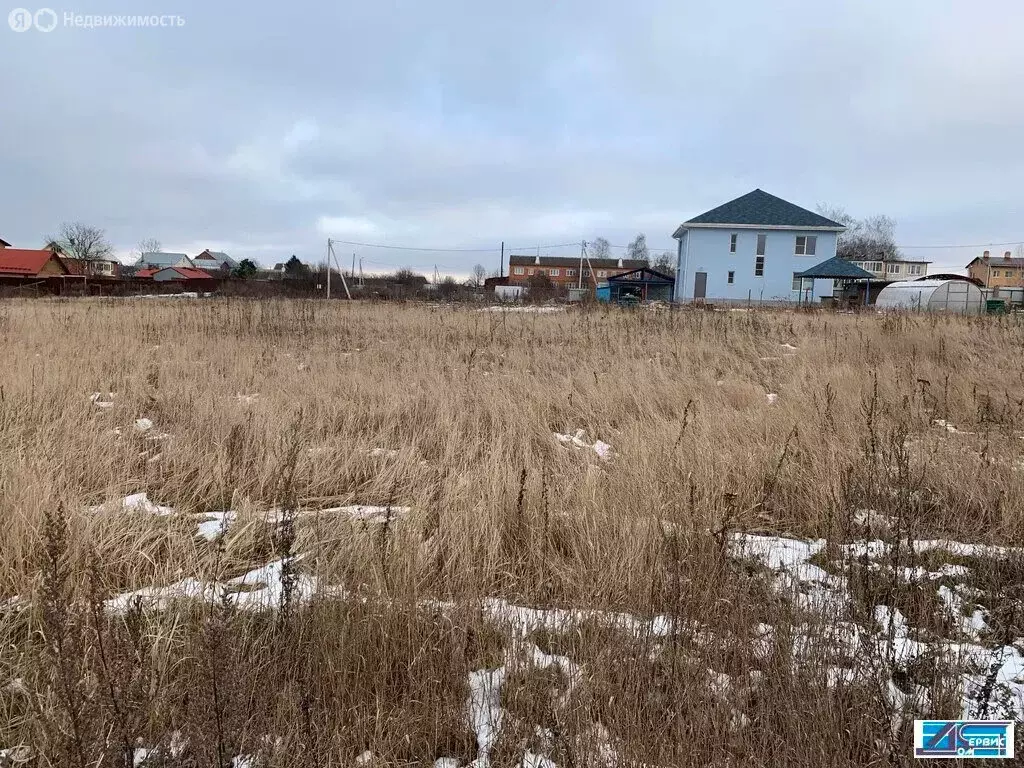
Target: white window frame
(762,244)
(893,269)
(759,266)
(806,245)
(730,277)
(915,269)
(873,266)
(519,271)
(733,241)
(602,273)
(553,272)
(570,273)
(806,283)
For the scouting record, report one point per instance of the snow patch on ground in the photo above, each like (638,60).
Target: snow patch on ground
(949,427)
(579,440)
(215,524)
(259,589)
(528,310)
(364,513)
(136,502)
(98,399)
(993,683)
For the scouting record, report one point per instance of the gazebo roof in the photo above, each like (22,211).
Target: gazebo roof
(836,268)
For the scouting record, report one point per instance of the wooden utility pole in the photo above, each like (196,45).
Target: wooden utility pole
(501,266)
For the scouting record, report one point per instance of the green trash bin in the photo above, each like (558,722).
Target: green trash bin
(995,306)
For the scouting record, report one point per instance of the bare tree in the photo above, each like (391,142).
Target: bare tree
(665,263)
(869,239)
(600,249)
(479,275)
(147,245)
(84,242)
(1018,252)
(637,249)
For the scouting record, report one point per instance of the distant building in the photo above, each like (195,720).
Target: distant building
(159,260)
(173,274)
(753,247)
(1007,272)
(893,270)
(565,271)
(95,268)
(30,263)
(214,261)
(4,243)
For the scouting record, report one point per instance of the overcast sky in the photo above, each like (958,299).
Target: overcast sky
(264,128)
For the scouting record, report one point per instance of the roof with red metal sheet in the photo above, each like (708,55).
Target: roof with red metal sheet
(22,261)
(147,272)
(191,274)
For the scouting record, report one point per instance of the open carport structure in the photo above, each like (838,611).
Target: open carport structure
(639,285)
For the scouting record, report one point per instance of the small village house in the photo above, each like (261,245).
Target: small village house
(31,268)
(173,274)
(214,261)
(4,243)
(753,248)
(100,269)
(160,259)
(1005,272)
(885,270)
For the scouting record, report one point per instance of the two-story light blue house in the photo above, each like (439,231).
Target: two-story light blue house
(751,248)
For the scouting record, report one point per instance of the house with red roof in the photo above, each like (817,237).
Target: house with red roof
(172,274)
(27,263)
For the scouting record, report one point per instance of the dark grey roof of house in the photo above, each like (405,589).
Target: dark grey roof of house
(574,261)
(999,261)
(643,275)
(837,268)
(759,209)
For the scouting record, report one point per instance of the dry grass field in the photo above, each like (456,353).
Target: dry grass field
(778,539)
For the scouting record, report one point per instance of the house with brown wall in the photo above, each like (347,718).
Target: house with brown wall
(566,272)
(1005,272)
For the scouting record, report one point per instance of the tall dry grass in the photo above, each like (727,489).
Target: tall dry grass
(284,403)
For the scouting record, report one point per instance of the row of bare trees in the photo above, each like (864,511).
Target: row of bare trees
(78,240)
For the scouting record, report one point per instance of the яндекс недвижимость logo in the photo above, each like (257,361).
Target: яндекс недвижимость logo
(963,738)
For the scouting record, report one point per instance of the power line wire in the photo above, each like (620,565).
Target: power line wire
(511,250)
(449,250)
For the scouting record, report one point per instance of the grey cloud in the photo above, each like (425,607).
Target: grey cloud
(267,127)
